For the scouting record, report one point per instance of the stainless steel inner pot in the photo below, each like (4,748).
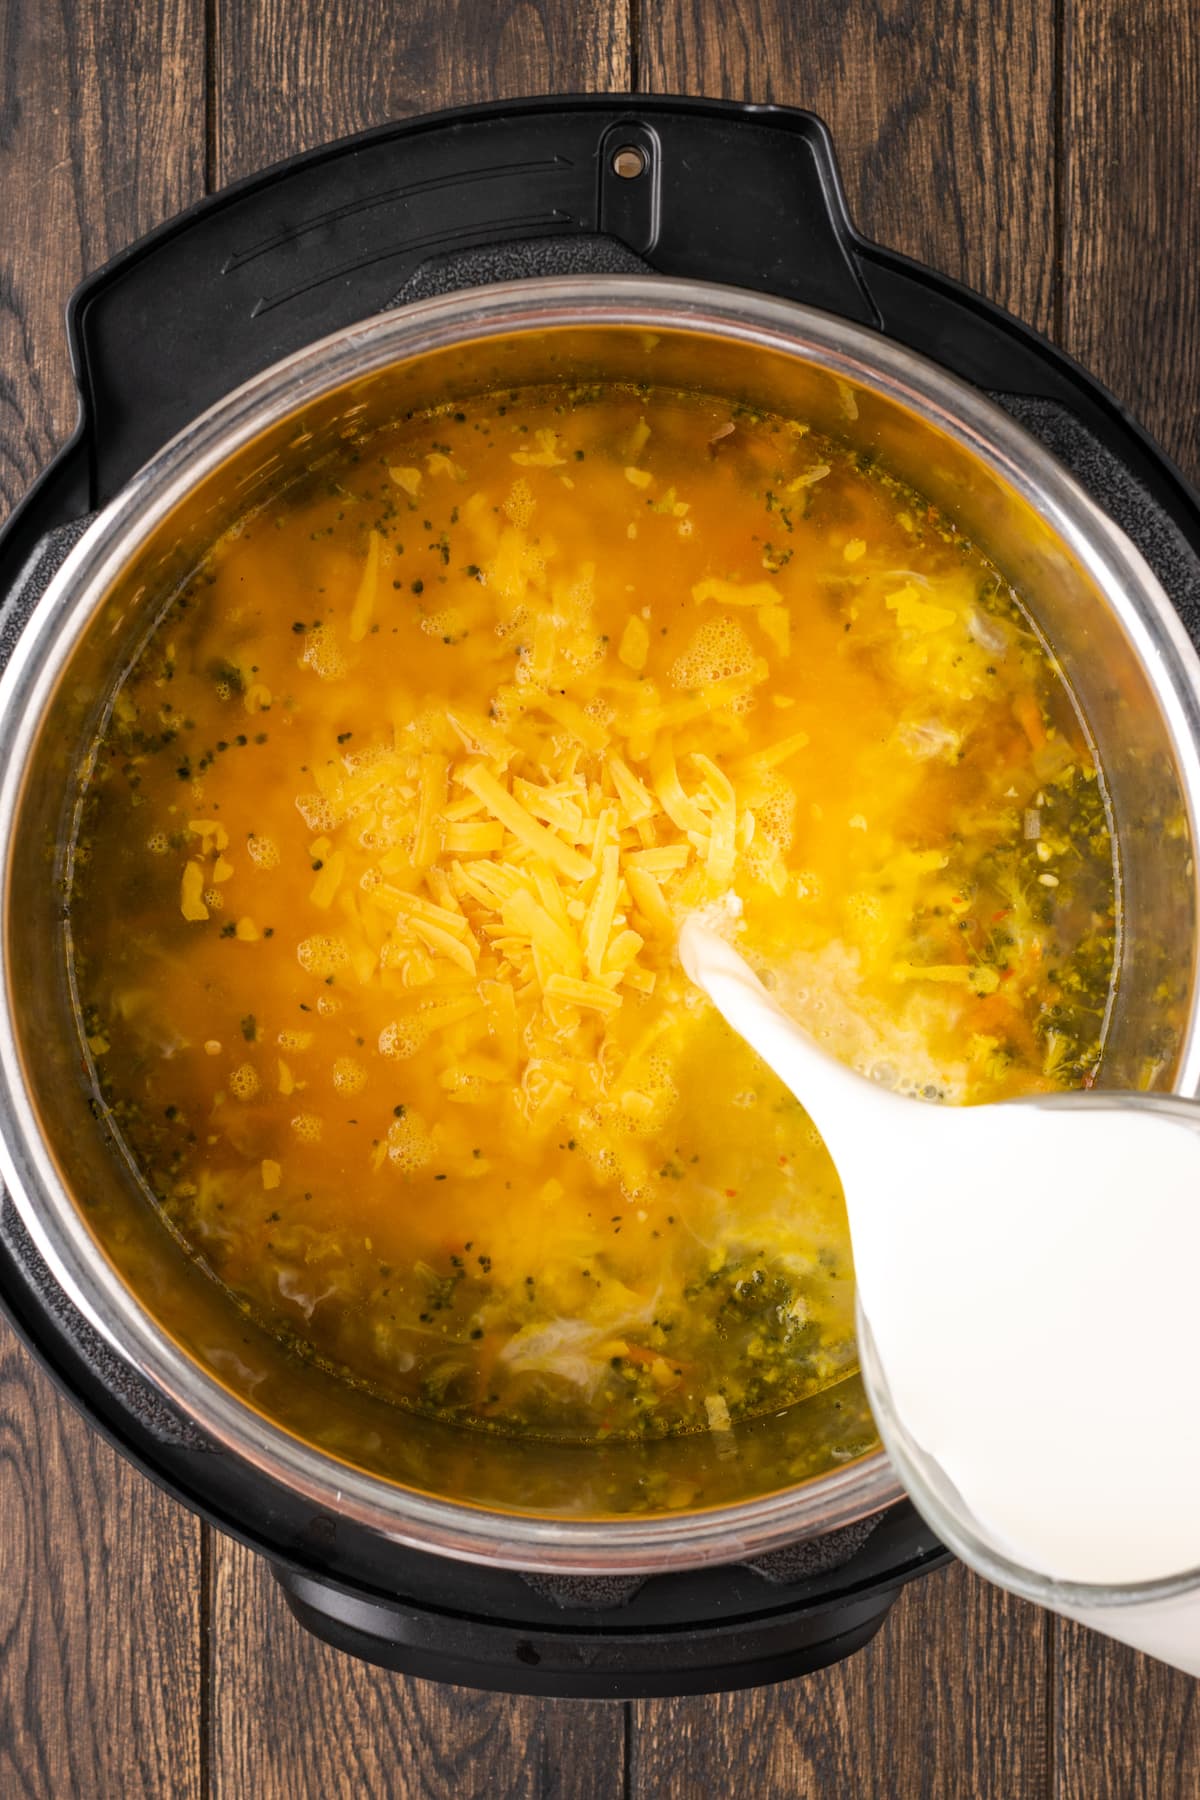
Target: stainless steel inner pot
(1104,615)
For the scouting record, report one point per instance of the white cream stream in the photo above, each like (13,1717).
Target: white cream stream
(1031,1276)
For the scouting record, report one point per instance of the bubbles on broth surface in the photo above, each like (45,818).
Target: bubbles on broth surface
(719,649)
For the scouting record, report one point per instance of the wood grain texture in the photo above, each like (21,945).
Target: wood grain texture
(1131,208)
(100,1664)
(942,114)
(947,1702)
(288,77)
(294,1720)
(101,136)
(1128,1728)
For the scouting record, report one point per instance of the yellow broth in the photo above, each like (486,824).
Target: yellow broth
(384,849)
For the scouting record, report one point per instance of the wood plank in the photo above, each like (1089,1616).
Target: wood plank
(948,1701)
(1131,288)
(287,80)
(290,1717)
(294,1720)
(1128,1726)
(99,1610)
(942,120)
(941,114)
(101,136)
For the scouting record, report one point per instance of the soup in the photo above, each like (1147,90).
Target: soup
(386,841)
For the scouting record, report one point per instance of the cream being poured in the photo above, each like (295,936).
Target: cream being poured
(1030,1273)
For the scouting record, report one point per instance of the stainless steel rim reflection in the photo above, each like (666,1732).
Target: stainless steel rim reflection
(56,1224)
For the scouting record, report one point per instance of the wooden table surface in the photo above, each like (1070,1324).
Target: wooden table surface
(1042,151)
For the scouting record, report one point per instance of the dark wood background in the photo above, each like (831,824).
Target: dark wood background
(1042,150)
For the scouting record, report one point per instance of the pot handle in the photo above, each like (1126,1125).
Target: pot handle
(698,188)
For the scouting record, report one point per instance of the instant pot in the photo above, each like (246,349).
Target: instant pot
(683,242)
